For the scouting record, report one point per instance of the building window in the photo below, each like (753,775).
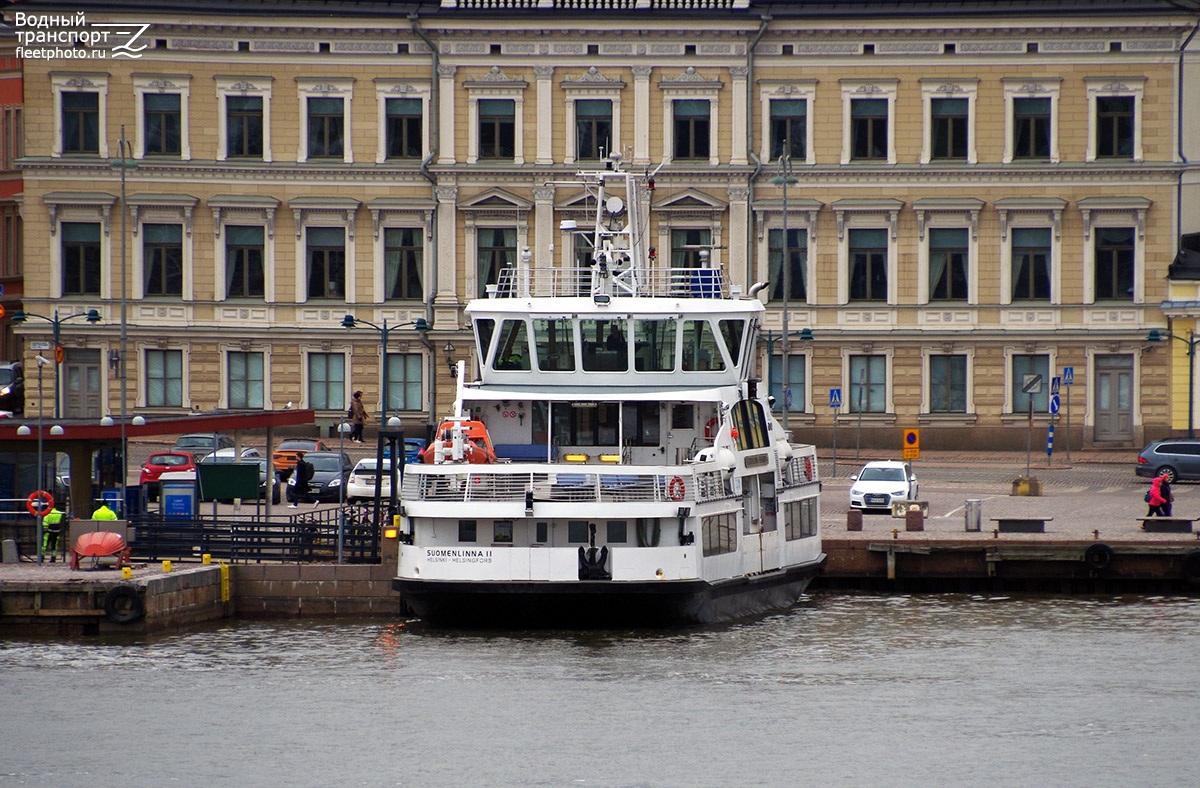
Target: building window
(593,128)
(868,384)
(795,371)
(797,253)
(1114,248)
(164,378)
(81,122)
(325,128)
(1023,369)
(948,384)
(326,381)
(326,262)
(789,135)
(1114,127)
(245,276)
(497,128)
(245,379)
(162,123)
(402,260)
(162,255)
(404,381)
(691,119)
(948,250)
(497,248)
(1031,263)
(868,129)
(686,246)
(80,258)
(244,127)
(868,265)
(1031,128)
(949,119)
(403,128)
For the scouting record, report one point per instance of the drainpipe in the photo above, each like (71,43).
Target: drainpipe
(431,259)
(758,165)
(1183,159)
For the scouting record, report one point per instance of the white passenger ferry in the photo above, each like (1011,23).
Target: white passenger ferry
(616,464)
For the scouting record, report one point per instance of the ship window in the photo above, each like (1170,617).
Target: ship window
(513,348)
(654,345)
(750,424)
(618,531)
(801,517)
(466,530)
(700,351)
(590,425)
(577,531)
(720,533)
(484,328)
(640,424)
(733,331)
(555,345)
(604,346)
(502,531)
(683,417)
(542,530)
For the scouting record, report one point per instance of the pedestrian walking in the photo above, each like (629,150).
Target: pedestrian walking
(298,483)
(1164,489)
(358,417)
(1155,498)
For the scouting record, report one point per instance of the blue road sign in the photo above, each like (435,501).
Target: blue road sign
(1050,440)
(835,398)
(1054,402)
(1068,376)
(1055,383)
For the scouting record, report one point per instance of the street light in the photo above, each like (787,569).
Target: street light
(126,162)
(784,178)
(342,429)
(1191,341)
(20,316)
(421,326)
(805,335)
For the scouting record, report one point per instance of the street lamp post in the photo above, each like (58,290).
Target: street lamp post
(1191,340)
(342,429)
(20,316)
(784,178)
(805,335)
(125,150)
(420,324)
(39,484)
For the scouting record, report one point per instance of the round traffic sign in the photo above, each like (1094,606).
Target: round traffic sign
(39,502)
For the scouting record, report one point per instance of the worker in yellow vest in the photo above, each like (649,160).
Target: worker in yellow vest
(51,531)
(104,513)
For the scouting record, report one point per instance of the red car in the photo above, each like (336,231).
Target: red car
(159,462)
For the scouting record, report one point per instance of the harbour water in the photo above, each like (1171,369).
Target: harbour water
(840,690)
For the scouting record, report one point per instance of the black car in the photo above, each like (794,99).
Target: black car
(12,387)
(330,472)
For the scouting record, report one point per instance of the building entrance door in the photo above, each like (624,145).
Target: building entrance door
(1113,398)
(81,384)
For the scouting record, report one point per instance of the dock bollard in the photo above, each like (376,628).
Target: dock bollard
(914,520)
(166,566)
(854,520)
(127,572)
(973,514)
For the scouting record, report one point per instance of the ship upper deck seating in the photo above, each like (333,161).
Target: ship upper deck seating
(525,452)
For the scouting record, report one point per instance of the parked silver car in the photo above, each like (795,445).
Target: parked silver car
(1179,457)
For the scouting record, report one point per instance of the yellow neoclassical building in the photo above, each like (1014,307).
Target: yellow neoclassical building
(946,206)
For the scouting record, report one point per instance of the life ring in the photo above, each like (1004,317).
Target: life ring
(1098,556)
(1191,567)
(124,605)
(710,429)
(675,488)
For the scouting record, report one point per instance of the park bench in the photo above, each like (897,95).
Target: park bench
(1166,525)
(1021,525)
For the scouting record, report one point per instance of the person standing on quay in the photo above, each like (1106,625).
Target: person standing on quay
(358,417)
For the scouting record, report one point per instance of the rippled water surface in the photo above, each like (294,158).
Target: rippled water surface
(841,690)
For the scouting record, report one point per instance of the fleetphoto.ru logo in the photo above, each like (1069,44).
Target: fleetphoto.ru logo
(71,36)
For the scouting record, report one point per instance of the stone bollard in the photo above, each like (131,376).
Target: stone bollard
(914,520)
(854,520)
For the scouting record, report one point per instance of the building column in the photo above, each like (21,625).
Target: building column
(544,227)
(545,114)
(739,74)
(445,304)
(641,114)
(739,242)
(445,110)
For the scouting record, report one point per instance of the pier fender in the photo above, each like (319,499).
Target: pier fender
(1191,567)
(1098,556)
(123,604)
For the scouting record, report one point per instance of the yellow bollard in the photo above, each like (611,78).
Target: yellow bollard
(126,572)
(206,559)
(166,566)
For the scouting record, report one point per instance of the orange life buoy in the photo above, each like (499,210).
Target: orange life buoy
(710,429)
(675,488)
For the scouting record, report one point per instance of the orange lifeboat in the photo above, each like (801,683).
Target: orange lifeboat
(476,443)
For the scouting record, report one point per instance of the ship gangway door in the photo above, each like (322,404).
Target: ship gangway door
(761,539)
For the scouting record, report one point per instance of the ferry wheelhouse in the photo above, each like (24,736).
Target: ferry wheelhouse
(615,464)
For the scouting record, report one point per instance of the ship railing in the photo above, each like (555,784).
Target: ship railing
(662,282)
(801,469)
(463,483)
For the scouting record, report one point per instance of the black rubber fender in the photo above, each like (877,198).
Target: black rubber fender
(1191,567)
(1098,556)
(123,604)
